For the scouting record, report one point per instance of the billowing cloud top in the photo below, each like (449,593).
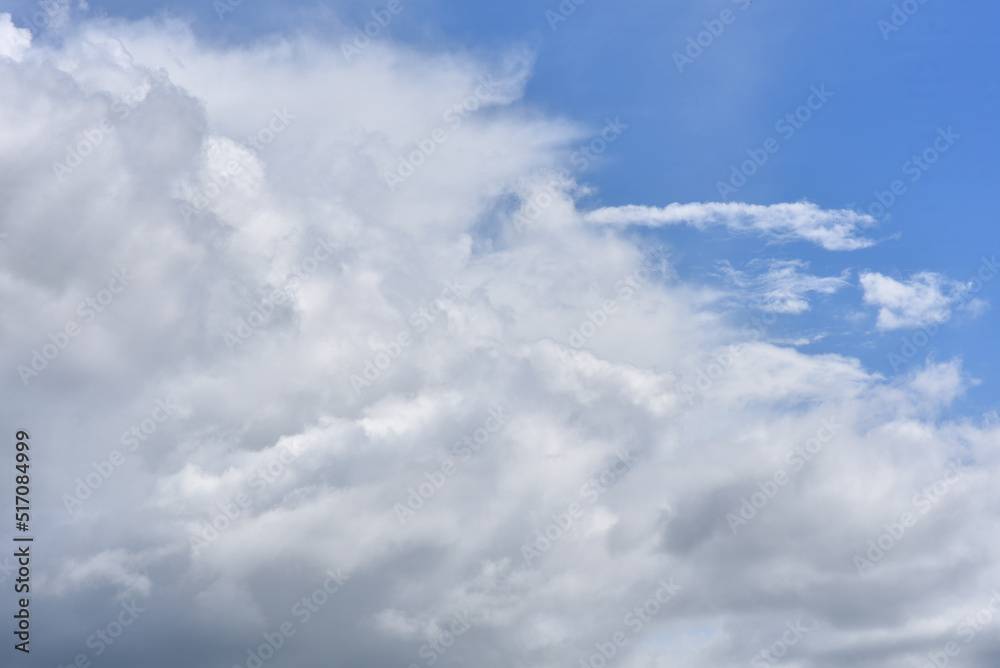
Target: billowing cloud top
(13,41)
(287,411)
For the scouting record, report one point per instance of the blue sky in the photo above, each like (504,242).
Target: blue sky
(890,97)
(892,90)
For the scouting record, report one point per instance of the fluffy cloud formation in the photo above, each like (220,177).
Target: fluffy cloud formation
(271,398)
(833,230)
(925,298)
(14,41)
(782,287)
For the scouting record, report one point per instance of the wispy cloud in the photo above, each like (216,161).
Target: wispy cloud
(782,286)
(833,229)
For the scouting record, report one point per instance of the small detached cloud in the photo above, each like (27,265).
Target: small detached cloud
(782,286)
(925,298)
(835,229)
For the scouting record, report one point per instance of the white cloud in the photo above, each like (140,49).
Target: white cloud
(831,229)
(782,287)
(116,567)
(14,41)
(925,298)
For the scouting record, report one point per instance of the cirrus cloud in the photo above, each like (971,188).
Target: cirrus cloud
(836,230)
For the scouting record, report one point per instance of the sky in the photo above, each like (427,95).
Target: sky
(521,334)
